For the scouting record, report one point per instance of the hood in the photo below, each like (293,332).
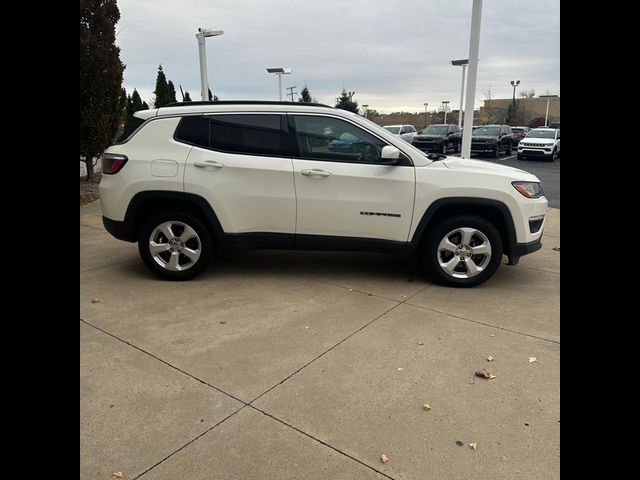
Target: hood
(538,141)
(479,166)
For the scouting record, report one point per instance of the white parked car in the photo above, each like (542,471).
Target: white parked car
(405,132)
(200,177)
(540,142)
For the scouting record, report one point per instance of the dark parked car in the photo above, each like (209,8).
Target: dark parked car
(519,133)
(438,138)
(492,139)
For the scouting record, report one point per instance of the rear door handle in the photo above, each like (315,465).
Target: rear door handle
(315,173)
(208,164)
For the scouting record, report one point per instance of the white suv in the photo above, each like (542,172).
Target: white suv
(405,132)
(195,178)
(540,142)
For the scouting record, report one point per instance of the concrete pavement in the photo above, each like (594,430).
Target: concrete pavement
(312,364)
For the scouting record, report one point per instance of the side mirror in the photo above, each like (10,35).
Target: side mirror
(390,155)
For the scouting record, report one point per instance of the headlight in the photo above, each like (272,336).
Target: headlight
(529,189)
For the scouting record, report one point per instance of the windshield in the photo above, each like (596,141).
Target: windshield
(392,129)
(486,131)
(541,134)
(435,130)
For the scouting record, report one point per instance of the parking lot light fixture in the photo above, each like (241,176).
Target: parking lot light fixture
(514,85)
(463,64)
(279,71)
(445,105)
(546,115)
(201,35)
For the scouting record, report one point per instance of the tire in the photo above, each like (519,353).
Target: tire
(496,152)
(520,157)
(455,235)
(508,150)
(457,148)
(553,156)
(444,148)
(191,236)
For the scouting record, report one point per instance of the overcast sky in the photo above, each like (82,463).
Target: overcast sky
(394,54)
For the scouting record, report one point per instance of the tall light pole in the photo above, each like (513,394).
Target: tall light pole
(201,35)
(279,71)
(514,85)
(445,105)
(546,115)
(425,114)
(365,107)
(464,64)
(474,49)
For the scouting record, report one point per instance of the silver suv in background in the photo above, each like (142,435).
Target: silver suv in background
(540,142)
(405,132)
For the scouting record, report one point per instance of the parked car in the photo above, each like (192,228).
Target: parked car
(439,138)
(554,125)
(519,133)
(492,139)
(197,178)
(405,132)
(348,143)
(542,143)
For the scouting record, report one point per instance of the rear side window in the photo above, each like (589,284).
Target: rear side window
(135,123)
(248,134)
(245,134)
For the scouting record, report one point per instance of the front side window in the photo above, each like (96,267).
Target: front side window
(332,139)
(394,130)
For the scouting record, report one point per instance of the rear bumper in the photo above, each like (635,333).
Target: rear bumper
(120,230)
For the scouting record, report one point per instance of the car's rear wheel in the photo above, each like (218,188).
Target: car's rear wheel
(444,148)
(175,246)
(463,251)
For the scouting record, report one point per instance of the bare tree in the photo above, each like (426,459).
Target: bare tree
(527,93)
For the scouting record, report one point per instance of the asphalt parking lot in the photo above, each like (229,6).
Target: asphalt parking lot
(292,365)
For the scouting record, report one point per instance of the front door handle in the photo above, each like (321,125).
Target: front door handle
(208,164)
(315,173)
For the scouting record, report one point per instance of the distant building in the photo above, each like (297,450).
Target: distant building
(496,109)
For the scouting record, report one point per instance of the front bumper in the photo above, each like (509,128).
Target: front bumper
(534,151)
(428,146)
(483,147)
(521,249)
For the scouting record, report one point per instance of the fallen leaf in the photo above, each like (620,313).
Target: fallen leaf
(117,475)
(557,249)
(306,328)
(223,322)
(484,373)
(351,289)
(426,407)
(492,335)
(383,458)
(420,343)
(473,445)
(459,443)
(95,300)
(400,369)
(532,359)
(489,358)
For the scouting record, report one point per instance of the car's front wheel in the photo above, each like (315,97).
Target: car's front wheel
(175,246)
(444,148)
(553,156)
(463,251)
(496,152)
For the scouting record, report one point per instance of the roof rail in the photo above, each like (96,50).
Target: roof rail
(244,102)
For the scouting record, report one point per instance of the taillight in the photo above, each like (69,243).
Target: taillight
(112,163)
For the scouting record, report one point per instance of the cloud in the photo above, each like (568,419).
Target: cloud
(394,55)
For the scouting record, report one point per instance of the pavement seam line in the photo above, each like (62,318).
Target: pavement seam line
(539,269)
(482,323)
(189,442)
(164,361)
(323,354)
(105,266)
(321,442)
(92,226)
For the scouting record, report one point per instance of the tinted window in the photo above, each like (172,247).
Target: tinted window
(411,128)
(249,134)
(394,130)
(486,131)
(332,139)
(435,130)
(135,123)
(192,129)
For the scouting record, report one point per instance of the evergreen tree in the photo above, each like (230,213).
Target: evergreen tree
(162,89)
(210,95)
(345,101)
(305,95)
(172,92)
(187,97)
(101,70)
(145,106)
